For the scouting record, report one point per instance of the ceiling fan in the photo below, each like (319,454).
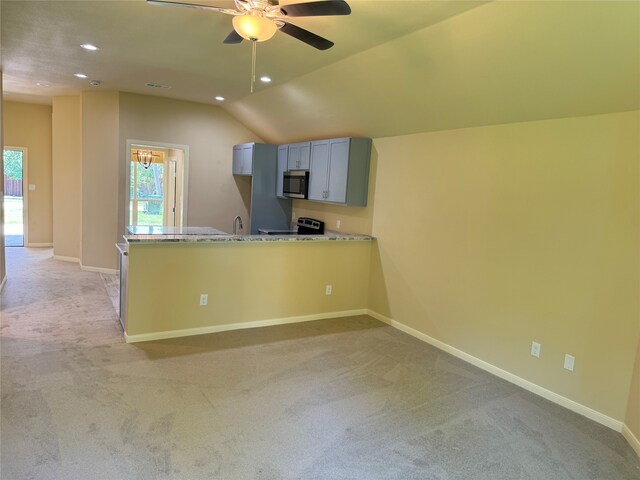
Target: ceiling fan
(259,20)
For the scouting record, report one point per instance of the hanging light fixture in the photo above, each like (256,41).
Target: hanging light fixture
(254,26)
(145,157)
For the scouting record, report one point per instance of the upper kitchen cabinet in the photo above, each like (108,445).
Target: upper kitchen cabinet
(283,158)
(243,159)
(299,156)
(339,171)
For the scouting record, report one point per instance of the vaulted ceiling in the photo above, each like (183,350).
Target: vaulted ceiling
(503,62)
(181,47)
(397,67)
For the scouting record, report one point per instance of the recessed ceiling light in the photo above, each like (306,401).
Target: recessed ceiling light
(80,75)
(89,46)
(157,85)
(265,79)
(42,84)
(219,98)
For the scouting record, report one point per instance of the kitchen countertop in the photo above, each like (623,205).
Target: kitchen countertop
(159,230)
(212,236)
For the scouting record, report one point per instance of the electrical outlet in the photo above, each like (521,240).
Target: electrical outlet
(204,299)
(569,362)
(338,224)
(328,289)
(535,349)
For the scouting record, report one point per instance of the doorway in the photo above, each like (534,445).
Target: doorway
(15,205)
(156,193)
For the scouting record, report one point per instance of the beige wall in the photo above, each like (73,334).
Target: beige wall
(215,196)
(90,131)
(245,281)
(29,126)
(99,179)
(632,419)
(67,176)
(492,237)
(2,262)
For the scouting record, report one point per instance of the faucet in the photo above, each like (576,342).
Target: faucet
(237,222)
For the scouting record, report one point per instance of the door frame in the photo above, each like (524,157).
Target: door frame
(25,191)
(164,146)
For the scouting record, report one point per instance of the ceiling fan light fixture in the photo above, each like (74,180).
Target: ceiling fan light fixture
(254,27)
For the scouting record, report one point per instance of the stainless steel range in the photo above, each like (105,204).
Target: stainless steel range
(304,226)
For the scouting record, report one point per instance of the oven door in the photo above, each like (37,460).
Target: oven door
(295,184)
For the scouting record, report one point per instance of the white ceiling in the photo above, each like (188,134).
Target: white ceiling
(180,47)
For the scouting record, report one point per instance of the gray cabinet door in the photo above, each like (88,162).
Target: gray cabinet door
(237,160)
(294,157)
(299,156)
(304,160)
(319,170)
(243,159)
(247,159)
(283,157)
(338,170)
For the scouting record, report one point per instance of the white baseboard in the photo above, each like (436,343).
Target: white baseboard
(3,282)
(144,337)
(66,259)
(510,377)
(87,268)
(39,245)
(631,438)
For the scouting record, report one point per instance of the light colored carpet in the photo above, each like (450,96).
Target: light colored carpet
(112,285)
(337,399)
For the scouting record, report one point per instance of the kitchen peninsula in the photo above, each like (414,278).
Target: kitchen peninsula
(189,282)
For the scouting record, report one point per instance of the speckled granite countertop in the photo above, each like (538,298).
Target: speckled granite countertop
(225,237)
(158,230)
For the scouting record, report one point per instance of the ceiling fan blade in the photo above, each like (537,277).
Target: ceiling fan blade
(316,9)
(233,37)
(165,3)
(306,36)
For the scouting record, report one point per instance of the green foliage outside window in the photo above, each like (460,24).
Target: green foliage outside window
(13,164)
(150,181)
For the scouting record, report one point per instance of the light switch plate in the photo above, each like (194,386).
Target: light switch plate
(535,349)
(32,186)
(569,362)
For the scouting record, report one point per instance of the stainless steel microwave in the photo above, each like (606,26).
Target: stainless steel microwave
(295,184)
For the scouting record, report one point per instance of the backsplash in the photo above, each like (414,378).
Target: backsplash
(352,219)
